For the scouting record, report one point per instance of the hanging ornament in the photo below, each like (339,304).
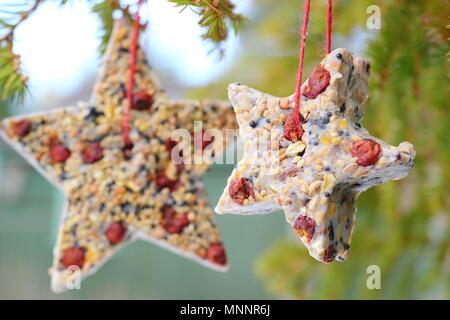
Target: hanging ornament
(122,187)
(311,162)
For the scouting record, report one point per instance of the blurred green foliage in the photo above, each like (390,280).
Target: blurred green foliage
(403,226)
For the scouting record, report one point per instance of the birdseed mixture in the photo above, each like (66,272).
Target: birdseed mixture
(314,172)
(116,194)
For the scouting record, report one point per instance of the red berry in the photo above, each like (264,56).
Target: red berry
(172,221)
(240,189)
(367,151)
(329,254)
(204,143)
(170,144)
(92,153)
(73,257)
(292,131)
(59,153)
(216,254)
(115,232)
(22,128)
(163,181)
(305,226)
(318,82)
(142,101)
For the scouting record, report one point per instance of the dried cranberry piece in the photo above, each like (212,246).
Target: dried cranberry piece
(142,101)
(367,151)
(305,226)
(172,221)
(163,181)
(93,153)
(59,153)
(115,232)
(216,254)
(170,144)
(204,143)
(318,82)
(292,131)
(329,254)
(73,257)
(22,128)
(240,189)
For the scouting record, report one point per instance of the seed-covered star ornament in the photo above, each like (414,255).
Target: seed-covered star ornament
(314,172)
(118,193)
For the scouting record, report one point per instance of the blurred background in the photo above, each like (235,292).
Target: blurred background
(403,226)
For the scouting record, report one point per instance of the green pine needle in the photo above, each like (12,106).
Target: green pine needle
(216,17)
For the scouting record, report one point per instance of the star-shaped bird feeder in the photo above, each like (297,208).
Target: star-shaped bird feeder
(314,172)
(117,193)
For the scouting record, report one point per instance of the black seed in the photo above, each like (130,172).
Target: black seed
(120,90)
(93,114)
(325,120)
(110,185)
(305,200)
(64,176)
(126,207)
(350,75)
(331,232)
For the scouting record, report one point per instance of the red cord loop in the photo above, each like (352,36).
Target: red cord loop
(301,55)
(134,44)
(300,63)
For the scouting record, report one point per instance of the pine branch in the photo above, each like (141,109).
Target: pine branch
(105,10)
(215,15)
(13,83)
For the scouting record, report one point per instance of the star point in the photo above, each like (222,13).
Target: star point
(314,174)
(115,195)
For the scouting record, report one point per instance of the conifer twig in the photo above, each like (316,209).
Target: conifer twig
(13,83)
(216,16)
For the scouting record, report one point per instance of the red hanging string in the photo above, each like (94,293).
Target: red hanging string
(329,24)
(300,63)
(132,68)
